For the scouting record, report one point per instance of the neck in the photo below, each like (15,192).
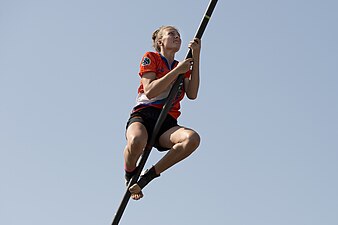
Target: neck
(169,55)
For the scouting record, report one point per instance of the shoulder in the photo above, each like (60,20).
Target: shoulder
(149,63)
(149,58)
(154,54)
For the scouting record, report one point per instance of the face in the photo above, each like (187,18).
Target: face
(171,39)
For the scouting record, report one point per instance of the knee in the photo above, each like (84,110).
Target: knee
(193,140)
(136,144)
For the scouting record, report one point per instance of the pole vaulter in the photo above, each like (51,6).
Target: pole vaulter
(166,108)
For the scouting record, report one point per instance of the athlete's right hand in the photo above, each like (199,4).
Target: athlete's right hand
(184,66)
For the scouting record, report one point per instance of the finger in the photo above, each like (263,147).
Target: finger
(192,45)
(189,60)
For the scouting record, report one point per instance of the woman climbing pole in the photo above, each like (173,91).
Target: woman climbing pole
(158,72)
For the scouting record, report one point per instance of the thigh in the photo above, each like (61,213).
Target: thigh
(175,135)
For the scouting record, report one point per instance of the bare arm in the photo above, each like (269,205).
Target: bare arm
(154,87)
(192,83)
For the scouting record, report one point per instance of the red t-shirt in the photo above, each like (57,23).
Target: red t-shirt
(155,62)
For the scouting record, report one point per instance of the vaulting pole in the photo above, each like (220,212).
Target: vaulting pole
(166,108)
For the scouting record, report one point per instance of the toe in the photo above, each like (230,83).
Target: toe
(137,196)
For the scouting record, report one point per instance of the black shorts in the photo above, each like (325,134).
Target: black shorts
(148,117)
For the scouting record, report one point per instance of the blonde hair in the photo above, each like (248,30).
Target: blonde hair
(158,34)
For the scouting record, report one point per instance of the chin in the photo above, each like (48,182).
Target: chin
(177,49)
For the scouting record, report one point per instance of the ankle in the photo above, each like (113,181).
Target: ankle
(148,176)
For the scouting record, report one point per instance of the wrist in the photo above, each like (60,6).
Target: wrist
(196,55)
(176,72)
(196,59)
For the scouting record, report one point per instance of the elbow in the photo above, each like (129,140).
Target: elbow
(192,97)
(149,94)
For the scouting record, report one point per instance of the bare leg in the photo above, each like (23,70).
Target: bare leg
(182,142)
(136,141)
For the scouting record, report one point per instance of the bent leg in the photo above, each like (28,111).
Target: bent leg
(182,141)
(137,136)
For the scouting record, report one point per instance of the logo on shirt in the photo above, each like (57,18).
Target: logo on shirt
(146,61)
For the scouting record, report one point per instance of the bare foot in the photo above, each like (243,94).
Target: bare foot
(136,192)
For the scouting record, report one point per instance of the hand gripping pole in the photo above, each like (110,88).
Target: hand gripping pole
(166,108)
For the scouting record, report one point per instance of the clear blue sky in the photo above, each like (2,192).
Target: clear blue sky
(267,113)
